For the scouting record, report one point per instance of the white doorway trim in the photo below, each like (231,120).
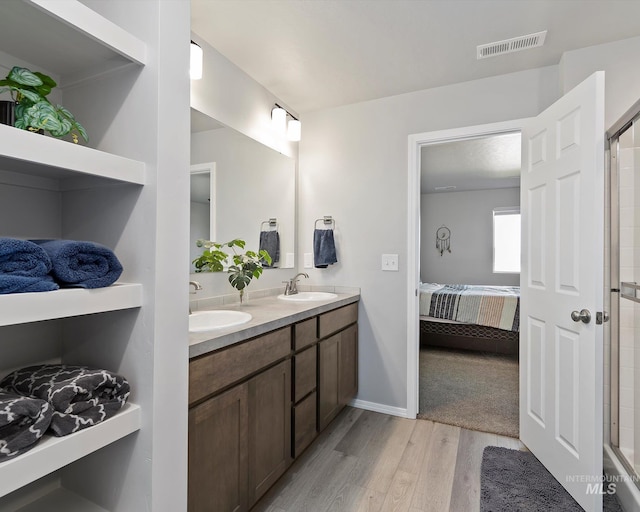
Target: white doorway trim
(416,141)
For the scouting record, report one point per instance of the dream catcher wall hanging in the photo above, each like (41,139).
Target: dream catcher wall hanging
(443,239)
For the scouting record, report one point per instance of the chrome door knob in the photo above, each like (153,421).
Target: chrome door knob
(581,316)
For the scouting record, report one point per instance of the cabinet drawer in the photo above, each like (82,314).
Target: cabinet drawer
(215,371)
(305,373)
(306,332)
(338,319)
(304,418)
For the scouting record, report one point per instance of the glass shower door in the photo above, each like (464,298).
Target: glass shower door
(625,301)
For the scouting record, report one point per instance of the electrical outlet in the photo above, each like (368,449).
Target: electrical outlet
(390,262)
(308,260)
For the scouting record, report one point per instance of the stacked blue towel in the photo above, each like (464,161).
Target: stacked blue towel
(81,264)
(24,267)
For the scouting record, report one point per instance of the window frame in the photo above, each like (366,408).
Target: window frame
(500,211)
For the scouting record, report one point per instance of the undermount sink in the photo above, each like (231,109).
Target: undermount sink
(308,296)
(201,321)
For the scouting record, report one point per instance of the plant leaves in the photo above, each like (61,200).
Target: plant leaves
(33,97)
(24,77)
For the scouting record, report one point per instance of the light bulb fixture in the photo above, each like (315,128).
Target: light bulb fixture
(292,128)
(279,119)
(195,63)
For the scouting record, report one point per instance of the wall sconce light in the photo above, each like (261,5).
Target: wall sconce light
(293,127)
(195,63)
(279,118)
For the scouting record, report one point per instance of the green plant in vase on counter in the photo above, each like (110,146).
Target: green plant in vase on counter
(242,267)
(33,111)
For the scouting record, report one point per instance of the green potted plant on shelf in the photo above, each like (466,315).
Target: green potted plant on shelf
(242,267)
(33,111)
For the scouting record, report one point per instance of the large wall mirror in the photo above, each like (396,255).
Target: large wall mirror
(239,188)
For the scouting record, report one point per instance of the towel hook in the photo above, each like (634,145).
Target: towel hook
(327,220)
(272,223)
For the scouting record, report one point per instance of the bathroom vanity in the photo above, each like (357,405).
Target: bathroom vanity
(260,393)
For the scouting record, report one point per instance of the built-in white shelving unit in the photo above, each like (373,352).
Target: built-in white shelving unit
(32,154)
(66,37)
(60,500)
(53,453)
(23,308)
(100,53)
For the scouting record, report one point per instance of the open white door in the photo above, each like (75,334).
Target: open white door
(561,357)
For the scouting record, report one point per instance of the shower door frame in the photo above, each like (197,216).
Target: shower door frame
(613,220)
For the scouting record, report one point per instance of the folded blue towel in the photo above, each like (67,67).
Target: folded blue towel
(23,258)
(23,284)
(81,264)
(270,242)
(324,248)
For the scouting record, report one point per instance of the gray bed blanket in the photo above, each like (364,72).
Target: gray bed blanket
(80,396)
(23,421)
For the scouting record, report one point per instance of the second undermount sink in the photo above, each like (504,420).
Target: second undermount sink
(308,296)
(201,321)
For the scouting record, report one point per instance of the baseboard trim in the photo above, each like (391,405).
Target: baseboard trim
(376,407)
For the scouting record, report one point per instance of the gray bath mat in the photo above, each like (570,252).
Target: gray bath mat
(515,481)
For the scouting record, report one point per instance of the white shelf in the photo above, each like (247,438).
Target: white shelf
(30,153)
(61,500)
(21,308)
(53,453)
(67,38)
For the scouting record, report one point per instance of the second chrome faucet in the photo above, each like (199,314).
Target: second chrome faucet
(291,286)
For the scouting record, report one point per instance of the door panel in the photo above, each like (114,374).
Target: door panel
(562,196)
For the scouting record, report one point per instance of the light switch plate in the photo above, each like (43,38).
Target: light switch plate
(290,260)
(308,260)
(390,262)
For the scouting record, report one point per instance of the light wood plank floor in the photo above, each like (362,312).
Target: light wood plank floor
(371,462)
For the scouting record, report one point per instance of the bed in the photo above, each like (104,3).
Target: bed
(470,317)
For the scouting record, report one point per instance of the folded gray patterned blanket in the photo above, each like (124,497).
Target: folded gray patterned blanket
(80,396)
(23,421)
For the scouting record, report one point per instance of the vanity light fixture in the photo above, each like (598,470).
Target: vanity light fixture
(279,118)
(195,64)
(293,127)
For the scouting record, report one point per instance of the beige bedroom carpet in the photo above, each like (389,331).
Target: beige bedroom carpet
(473,390)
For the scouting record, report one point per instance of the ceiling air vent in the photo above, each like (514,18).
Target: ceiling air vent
(515,44)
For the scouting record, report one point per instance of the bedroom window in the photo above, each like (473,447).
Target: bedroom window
(506,240)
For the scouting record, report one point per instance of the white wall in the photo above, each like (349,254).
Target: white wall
(469,216)
(619,60)
(353,166)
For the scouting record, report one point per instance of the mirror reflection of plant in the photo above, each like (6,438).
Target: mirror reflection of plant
(242,268)
(33,110)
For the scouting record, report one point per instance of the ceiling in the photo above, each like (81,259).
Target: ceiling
(479,163)
(314,54)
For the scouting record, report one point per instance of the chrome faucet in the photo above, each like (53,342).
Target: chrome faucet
(196,286)
(291,286)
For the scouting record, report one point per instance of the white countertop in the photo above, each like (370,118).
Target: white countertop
(268,314)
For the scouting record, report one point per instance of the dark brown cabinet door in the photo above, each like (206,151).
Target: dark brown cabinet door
(328,391)
(348,365)
(218,453)
(270,428)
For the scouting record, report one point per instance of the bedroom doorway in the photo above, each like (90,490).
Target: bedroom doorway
(469,282)
(469,139)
